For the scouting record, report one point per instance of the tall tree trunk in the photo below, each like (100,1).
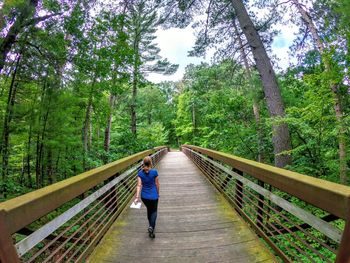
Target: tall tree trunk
(86,128)
(112,97)
(86,132)
(90,131)
(43,119)
(256,109)
(341,137)
(29,156)
(6,127)
(310,25)
(41,148)
(194,124)
(136,63)
(98,130)
(22,170)
(149,117)
(107,141)
(133,99)
(334,89)
(280,136)
(56,170)
(38,162)
(49,167)
(26,12)
(256,112)
(66,159)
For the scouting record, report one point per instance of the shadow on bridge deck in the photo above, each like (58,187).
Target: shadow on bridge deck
(195,224)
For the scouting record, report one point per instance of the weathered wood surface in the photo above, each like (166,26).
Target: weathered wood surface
(195,224)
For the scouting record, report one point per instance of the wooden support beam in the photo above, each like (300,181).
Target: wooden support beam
(343,255)
(8,253)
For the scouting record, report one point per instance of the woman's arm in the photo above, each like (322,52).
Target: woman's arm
(157,185)
(138,189)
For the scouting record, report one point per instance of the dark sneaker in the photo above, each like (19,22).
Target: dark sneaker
(151,232)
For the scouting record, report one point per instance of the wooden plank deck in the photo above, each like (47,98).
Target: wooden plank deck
(195,224)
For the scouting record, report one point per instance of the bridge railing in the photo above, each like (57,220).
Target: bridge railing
(63,222)
(303,219)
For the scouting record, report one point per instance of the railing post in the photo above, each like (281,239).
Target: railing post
(115,195)
(239,190)
(260,208)
(226,181)
(127,187)
(199,162)
(8,252)
(213,176)
(343,255)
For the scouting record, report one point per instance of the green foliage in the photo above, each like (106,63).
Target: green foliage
(153,135)
(11,5)
(216,112)
(310,115)
(213,110)
(77,71)
(83,70)
(68,71)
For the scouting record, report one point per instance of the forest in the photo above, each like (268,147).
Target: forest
(75,94)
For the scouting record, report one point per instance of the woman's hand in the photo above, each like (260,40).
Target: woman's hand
(137,200)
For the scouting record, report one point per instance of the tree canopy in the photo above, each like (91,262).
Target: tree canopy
(75,94)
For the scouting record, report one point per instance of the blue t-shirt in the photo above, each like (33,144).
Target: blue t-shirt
(149,189)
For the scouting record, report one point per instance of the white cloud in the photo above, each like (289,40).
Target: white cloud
(175,44)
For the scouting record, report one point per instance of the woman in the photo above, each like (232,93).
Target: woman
(148,185)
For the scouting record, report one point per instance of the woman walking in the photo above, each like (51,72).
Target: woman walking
(148,186)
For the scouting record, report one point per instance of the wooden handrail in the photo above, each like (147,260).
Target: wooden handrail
(25,209)
(331,197)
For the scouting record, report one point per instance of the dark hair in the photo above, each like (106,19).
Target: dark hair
(147,161)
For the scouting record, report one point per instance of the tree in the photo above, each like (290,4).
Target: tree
(142,25)
(334,81)
(121,55)
(235,8)
(224,119)
(19,16)
(280,136)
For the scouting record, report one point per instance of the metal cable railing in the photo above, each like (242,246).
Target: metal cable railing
(296,230)
(70,232)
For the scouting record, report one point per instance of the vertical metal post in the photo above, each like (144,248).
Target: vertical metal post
(200,163)
(343,255)
(127,187)
(226,181)
(8,252)
(239,190)
(260,208)
(214,175)
(204,164)
(115,194)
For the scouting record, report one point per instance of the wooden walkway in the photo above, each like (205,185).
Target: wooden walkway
(195,224)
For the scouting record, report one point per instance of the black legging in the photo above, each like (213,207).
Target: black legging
(152,206)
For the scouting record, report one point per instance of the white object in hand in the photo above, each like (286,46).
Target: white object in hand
(136,205)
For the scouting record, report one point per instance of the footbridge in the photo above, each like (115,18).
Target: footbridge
(213,207)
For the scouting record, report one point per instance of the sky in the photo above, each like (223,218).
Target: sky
(175,44)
